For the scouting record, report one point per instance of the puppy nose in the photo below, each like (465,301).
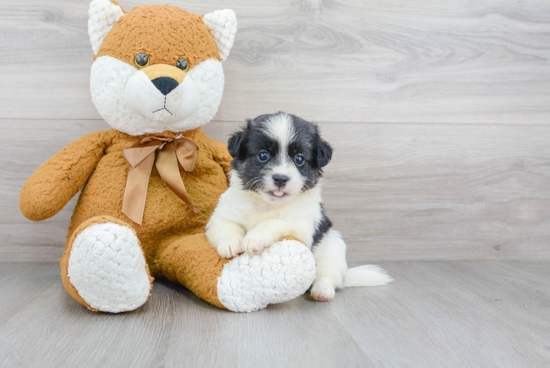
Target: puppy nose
(165,84)
(280,180)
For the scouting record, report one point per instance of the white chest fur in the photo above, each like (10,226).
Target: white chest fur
(248,210)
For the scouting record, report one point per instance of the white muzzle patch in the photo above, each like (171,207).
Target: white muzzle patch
(145,99)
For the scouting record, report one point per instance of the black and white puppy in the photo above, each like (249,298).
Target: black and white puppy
(275,192)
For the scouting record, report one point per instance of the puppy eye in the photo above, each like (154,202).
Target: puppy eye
(141,60)
(299,160)
(263,156)
(183,64)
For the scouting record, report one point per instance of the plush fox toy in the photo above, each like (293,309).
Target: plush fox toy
(150,184)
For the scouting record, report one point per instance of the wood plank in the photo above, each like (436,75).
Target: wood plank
(395,191)
(174,328)
(451,314)
(26,145)
(437,192)
(339,61)
(295,334)
(22,283)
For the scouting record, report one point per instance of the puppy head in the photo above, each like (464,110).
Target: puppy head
(278,156)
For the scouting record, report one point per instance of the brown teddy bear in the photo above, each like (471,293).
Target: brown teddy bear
(150,184)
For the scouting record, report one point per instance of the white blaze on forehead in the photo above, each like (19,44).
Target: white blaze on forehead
(280,128)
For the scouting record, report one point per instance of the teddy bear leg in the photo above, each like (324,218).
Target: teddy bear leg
(244,283)
(103,266)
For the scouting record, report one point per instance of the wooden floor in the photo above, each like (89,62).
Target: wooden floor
(436,314)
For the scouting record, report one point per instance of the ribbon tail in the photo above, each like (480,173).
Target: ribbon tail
(135,194)
(187,153)
(168,168)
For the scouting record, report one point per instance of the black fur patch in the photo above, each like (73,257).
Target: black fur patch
(321,228)
(245,146)
(307,143)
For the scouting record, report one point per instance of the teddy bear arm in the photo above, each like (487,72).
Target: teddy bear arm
(221,155)
(56,181)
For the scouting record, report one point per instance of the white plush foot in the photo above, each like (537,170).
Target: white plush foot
(280,273)
(107,268)
(322,290)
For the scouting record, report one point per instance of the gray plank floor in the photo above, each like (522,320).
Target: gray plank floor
(436,314)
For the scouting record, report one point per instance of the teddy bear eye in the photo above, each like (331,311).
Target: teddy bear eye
(142,60)
(183,64)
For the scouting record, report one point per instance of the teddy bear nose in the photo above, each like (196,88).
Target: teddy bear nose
(165,84)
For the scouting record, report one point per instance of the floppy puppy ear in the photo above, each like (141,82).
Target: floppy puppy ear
(103,15)
(235,142)
(324,152)
(223,24)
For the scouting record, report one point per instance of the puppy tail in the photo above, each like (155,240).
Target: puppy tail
(368,275)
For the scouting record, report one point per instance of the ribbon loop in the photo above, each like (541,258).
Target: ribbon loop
(136,155)
(142,156)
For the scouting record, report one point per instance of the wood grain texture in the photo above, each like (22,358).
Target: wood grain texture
(383,79)
(395,191)
(449,314)
(437,192)
(459,61)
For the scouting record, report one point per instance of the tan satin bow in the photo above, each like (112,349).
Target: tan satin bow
(141,157)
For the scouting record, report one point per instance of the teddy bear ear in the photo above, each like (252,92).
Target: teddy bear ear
(223,24)
(103,15)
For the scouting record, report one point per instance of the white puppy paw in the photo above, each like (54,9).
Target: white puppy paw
(256,241)
(322,290)
(230,248)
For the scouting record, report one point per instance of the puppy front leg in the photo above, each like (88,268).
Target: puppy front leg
(266,233)
(226,237)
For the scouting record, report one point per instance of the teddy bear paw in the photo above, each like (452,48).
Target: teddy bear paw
(107,268)
(280,273)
